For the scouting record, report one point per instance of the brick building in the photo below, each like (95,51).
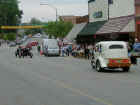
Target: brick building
(109,20)
(82,19)
(74,19)
(69,19)
(137,15)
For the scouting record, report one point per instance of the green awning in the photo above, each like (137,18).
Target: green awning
(91,28)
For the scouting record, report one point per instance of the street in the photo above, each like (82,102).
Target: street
(63,81)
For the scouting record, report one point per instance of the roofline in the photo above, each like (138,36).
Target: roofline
(114,33)
(133,15)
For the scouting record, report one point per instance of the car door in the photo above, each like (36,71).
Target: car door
(96,53)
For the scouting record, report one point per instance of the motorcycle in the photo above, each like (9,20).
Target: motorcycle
(24,52)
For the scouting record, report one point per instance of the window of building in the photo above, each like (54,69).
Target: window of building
(98,14)
(110,1)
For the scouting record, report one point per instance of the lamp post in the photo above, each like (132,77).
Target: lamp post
(108,9)
(51,7)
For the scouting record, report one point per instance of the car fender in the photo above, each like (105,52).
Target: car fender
(102,61)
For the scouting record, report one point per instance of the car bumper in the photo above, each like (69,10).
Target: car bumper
(119,65)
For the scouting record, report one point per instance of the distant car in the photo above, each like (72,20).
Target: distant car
(37,35)
(12,44)
(19,42)
(29,46)
(136,50)
(34,43)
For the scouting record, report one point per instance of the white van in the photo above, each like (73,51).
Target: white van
(50,47)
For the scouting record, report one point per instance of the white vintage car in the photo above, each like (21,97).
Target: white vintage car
(111,54)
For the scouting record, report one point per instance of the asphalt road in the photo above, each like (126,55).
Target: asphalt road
(63,81)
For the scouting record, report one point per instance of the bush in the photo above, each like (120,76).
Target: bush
(9,36)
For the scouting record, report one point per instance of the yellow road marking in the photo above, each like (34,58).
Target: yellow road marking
(78,91)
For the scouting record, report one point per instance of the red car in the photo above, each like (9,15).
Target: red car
(34,43)
(29,46)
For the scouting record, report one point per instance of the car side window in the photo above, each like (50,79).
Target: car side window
(96,48)
(100,48)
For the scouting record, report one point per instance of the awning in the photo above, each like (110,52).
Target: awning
(91,28)
(75,30)
(116,25)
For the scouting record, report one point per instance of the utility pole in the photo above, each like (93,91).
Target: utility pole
(108,9)
(53,8)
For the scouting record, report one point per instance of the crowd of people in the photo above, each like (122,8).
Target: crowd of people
(78,50)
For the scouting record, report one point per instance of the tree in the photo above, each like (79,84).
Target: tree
(9,36)
(58,29)
(9,13)
(34,21)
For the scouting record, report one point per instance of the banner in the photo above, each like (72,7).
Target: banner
(21,27)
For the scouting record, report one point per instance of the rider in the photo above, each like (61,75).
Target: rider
(18,52)
(38,48)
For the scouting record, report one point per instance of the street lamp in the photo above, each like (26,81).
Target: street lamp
(51,7)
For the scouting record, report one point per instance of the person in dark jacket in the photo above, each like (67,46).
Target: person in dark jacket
(86,53)
(38,49)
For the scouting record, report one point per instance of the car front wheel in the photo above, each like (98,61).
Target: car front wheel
(126,69)
(98,67)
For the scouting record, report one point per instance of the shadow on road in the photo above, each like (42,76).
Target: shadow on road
(116,71)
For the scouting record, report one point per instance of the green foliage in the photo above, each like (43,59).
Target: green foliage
(9,36)
(33,21)
(9,13)
(58,29)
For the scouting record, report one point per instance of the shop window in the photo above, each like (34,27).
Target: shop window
(110,1)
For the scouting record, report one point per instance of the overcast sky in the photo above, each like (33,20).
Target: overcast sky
(32,8)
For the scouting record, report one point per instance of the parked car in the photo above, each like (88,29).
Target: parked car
(12,44)
(34,43)
(136,50)
(29,46)
(50,47)
(19,42)
(111,54)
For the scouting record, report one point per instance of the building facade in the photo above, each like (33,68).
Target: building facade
(75,19)
(100,10)
(118,19)
(108,20)
(82,19)
(119,8)
(137,15)
(71,19)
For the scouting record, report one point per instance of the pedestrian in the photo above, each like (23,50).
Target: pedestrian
(67,51)
(86,51)
(63,51)
(18,52)
(38,49)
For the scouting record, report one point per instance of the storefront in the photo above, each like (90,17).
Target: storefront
(137,35)
(116,29)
